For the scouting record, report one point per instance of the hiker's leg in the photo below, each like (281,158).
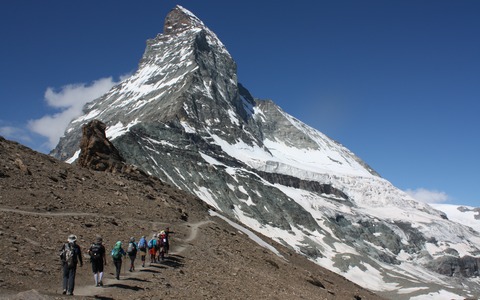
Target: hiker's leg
(65,277)
(95,272)
(71,280)
(118,267)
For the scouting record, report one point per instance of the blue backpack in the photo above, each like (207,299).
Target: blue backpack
(142,244)
(152,243)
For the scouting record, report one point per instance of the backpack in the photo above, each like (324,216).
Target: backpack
(96,251)
(152,243)
(68,255)
(142,244)
(116,253)
(132,249)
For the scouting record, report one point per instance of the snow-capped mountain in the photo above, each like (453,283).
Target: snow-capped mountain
(184,117)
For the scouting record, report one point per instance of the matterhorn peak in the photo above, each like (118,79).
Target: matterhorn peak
(184,118)
(180,19)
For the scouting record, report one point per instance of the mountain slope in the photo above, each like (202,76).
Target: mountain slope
(44,200)
(185,119)
(466,215)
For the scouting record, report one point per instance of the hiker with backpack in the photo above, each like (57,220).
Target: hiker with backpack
(117,253)
(142,247)
(167,240)
(97,258)
(152,248)
(162,245)
(132,253)
(70,254)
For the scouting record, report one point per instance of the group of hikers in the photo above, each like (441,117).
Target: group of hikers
(71,255)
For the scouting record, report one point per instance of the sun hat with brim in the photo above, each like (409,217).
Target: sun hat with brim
(72,238)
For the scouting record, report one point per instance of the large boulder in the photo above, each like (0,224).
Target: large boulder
(96,151)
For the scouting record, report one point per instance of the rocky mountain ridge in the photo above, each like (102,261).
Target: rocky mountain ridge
(184,118)
(43,200)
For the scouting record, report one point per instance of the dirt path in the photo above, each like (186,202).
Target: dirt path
(128,279)
(140,274)
(52,214)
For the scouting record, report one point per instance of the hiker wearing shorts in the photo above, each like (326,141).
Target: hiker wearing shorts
(97,258)
(152,249)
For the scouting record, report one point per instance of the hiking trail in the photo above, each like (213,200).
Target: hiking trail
(140,273)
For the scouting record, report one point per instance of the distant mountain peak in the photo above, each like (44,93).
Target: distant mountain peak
(179,19)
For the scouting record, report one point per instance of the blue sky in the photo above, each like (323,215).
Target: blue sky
(396,82)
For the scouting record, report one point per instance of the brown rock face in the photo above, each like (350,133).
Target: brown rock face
(96,151)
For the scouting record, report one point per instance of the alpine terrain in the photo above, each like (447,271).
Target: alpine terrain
(184,117)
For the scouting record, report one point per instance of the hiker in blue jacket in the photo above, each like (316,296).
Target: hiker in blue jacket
(117,253)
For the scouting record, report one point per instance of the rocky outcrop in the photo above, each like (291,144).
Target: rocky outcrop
(96,151)
(451,265)
(309,185)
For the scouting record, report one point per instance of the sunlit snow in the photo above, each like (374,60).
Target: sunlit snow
(119,129)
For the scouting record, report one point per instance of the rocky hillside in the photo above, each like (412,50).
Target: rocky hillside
(43,200)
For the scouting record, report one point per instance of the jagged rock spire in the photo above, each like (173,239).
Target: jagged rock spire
(179,19)
(97,152)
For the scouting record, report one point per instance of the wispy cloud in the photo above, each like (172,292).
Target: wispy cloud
(428,196)
(70,100)
(19,134)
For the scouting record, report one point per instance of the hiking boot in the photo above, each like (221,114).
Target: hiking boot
(64,292)
(101,283)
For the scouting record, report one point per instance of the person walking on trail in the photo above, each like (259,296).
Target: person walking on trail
(132,253)
(162,245)
(167,240)
(71,255)
(142,247)
(152,248)
(117,253)
(98,260)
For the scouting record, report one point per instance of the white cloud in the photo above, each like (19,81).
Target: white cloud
(15,133)
(428,196)
(70,100)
